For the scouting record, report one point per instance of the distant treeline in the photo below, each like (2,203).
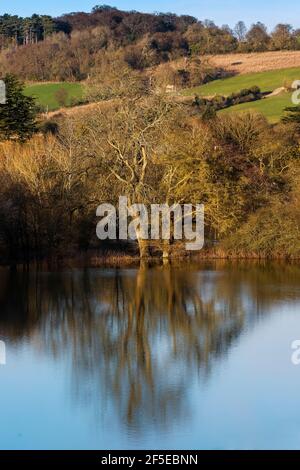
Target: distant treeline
(15,30)
(67,47)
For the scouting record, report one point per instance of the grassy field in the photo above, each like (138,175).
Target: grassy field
(256,61)
(45,93)
(272,108)
(267,81)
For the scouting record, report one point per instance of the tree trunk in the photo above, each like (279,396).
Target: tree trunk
(166,250)
(144,248)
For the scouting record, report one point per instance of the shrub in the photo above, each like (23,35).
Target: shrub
(62,97)
(49,127)
(222,102)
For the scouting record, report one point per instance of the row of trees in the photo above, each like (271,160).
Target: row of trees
(244,170)
(15,30)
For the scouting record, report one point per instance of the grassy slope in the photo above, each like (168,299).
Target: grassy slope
(271,108)
(267,81)
(45,93)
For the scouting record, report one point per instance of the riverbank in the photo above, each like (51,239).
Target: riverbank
(98,258)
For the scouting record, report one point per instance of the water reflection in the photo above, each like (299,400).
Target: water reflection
(139,337)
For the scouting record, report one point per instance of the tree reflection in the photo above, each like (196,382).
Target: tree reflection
(138,338)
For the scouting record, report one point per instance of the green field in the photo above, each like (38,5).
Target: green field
(45,93)
(266,81)
(272,108)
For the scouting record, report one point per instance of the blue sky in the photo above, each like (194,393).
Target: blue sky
(229,12)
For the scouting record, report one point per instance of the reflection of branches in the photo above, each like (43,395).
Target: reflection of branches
(137,334)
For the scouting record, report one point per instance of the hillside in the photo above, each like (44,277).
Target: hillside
(43,48)
(271,108)
(266,81)
(107,44)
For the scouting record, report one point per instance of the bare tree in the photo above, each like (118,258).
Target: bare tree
(240,31)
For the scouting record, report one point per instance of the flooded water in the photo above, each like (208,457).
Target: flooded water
(195,357)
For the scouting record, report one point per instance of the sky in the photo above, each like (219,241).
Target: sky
(222,12)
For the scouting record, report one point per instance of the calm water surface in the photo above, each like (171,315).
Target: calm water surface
(162,358)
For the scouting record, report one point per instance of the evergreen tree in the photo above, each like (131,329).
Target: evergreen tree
(18,114)
(292,114)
